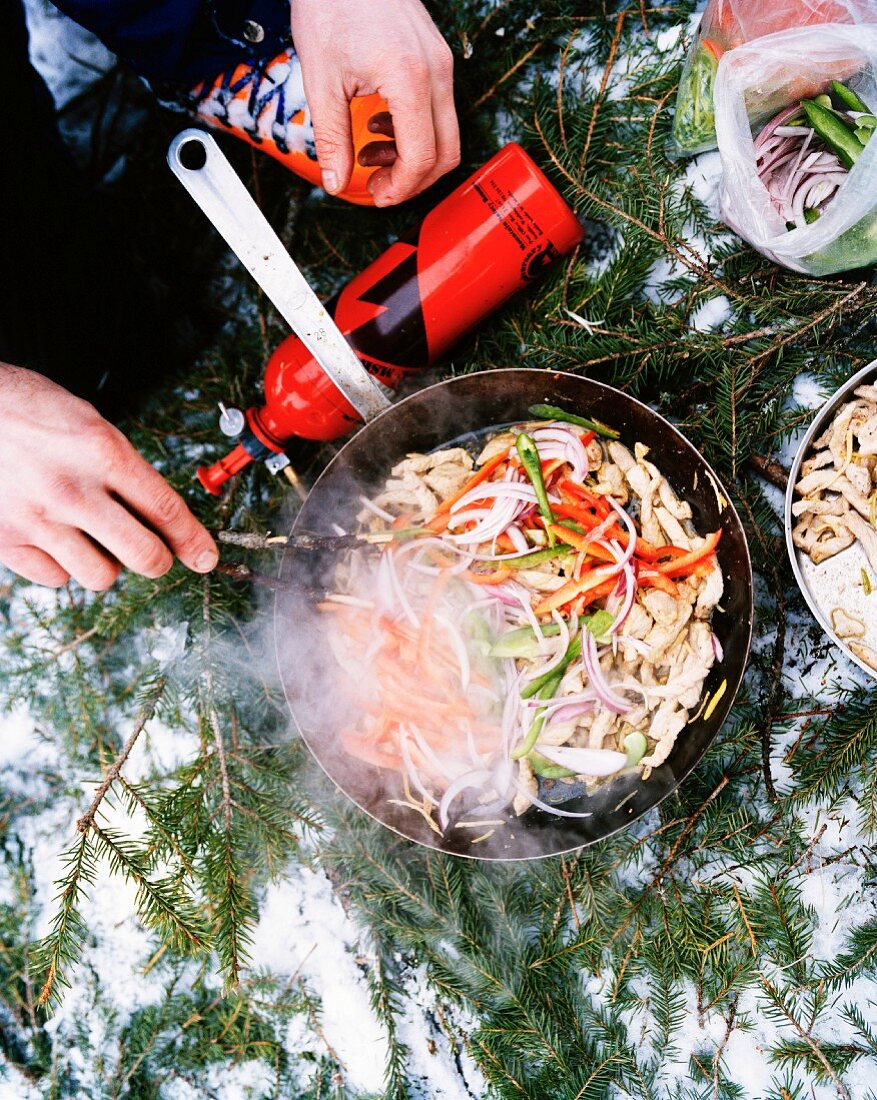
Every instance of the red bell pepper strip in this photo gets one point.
(688, 562)
(581, 602)
(659, 581)
(573, 489)
(644, 550)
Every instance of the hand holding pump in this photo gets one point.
(494, 234)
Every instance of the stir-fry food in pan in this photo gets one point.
(538, 612)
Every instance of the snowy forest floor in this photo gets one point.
(724, 946)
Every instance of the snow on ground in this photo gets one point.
(304, 929)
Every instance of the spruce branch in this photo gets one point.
(112, 773)
(61, 948)
(778, 1002)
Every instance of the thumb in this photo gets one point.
(330, 115)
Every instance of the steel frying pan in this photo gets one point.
(426, 420)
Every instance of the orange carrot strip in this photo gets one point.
(496, 576)
(579, 542)
(580, 603)
(678, 566)
(473, 482)
(569, 591)
(659, 581)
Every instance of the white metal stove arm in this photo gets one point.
(202, 168)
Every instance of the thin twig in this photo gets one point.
(774, 995)
(610, 61)
(497, 84)
(770, 470)
(112, 773)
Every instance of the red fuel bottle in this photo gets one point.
(489, 238)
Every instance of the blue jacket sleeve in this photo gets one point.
(183, 41)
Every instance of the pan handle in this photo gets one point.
(202, 168)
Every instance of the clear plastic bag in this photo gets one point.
(756, 82)
(727, 24)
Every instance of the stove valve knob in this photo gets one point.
(231, 421)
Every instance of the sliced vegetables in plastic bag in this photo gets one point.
(795, 118)
(727, 24)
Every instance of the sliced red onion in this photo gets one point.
(572, 449)
(582, 761)
(372, 507)
(501, 593)
(458, 645)
(493, 524)
(411, 770)
(778, 120)
(598, 681)
(717, 648)
(629, 581)
(519, 539)
(440, 767)
(597, 533)
(474, 778)
(495, 490)
(560, 644)
(631, 531)
(551, 705)
(796, 169)
(521, 596)
(805, 145)
(566, 713)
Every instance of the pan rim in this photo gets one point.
(820, 416)
(732, 689)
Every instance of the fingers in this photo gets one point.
(135, 546)
(447, 128)
(79, 557)
(424, 125)
(34, 565)
(149, 497)
(330, 114)
(410, 103)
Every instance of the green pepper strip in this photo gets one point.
(849, 98)
(535, 686)
(522, 642)
(836, 135)
(537, 557)
(554, 412)
(547, 770)
(532, 463)
(574, 651)
(546, 691)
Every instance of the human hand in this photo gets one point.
(77, 499)
(353, 48)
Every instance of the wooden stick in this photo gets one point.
(253, 541)
(770, 470)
